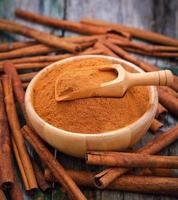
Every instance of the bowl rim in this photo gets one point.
(29, 93)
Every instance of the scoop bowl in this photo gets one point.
(77, 144)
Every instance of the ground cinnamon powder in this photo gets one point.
(90, 115)
(81, 79)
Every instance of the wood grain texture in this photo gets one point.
(159, 15)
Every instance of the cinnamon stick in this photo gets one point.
(42, 183)
(18, 87)
(6, 166)
(122, 159)
(116, 36)
(104, 178)
(86, 45)
(35, 50)
(2, 195)
(20, 94)
(153, 53)
(15, 45)
(16, 192)
(143, 184)
(37, 65)
(20, 165)
(160, 142)
(92, 51)
(83, 39)
(15, 128)
(161, 110)
(169, 91)
(28, 51)
(144, 47)
(145, 66)
(56, 168)
(40, 36)
(168, 101)
(175, 84)
(36, 59)
(106, 51)
(155, 126)
(25, 85)
(27, 77)
(135, 32)
(65, 24)
(7, 46)
(162, 172)
(10, 70)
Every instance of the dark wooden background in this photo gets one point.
(156, 15)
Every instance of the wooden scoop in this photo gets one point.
(118, 86)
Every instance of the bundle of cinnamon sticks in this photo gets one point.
(20, 61)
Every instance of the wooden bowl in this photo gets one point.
(77, 144)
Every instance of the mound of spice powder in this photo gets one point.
(88, 115)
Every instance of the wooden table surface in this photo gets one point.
(156, 15)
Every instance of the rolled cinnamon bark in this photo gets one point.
(28, 51)
(131, 160)
(131, 183)
(38, 65)
(35, 50)
(10, 70)
(104, 178)
(7, 46)
(42, 183)
(27, 77)
(168, 101)
(169, 91)
(142, 47)
(86, 45)
(18, 88)
(116, 36)
(56, 168)
(6, 166)
(37, 59)
(16, 192)
(8, 170)
(65, 24)
(20, 165)
(162, 172)
(151, 53)
(15, 45)
(2, 195)
(155, 126)
(135, 32)
(83, 39)
(43, 61)
(25, 85)
(16, 133)
(40, 36)
(106, 51)
(175, 84)
(161, 110)
(20, 94)
(91, 51)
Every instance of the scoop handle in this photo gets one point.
(163, 77)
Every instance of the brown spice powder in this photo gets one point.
(90, 115)
(81, 79)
